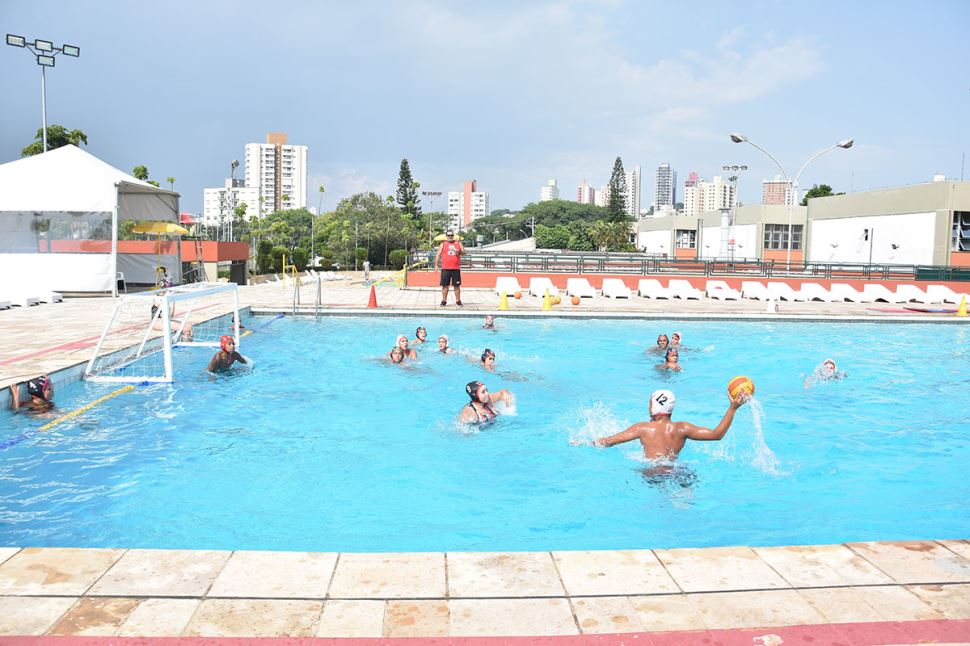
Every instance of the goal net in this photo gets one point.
(137, 343)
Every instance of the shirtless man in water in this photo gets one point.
(224, 358)
(663, 438)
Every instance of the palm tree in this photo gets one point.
(171, 182)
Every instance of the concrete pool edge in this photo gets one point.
(64, 591)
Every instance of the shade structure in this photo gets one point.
(442, 237)
(155, 227)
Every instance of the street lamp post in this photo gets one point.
(431, 195)
(45, 52)
(737, 169)
(793, 184)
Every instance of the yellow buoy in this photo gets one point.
(962, 310)
(503, 303)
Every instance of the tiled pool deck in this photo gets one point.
(858, 593)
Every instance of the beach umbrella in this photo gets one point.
(442, 237)
(158, 228)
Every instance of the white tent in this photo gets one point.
(59, 215)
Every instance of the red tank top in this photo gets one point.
(449, 255)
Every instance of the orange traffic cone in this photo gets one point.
(372, 303)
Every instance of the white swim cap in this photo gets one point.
(399, 337)
(443, 336)
(662, 402)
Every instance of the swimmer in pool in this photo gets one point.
(224, 358)
(173, 322)
(481, 408)
(396, 355)
(40, 391)
(662, 343)
(675, 340)
(420, 336)
(825, 371)
(488, 360)
(402, 342)
(663, 438)
(489, 322)
(443, 347)
(671, 361)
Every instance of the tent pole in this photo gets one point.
(114, 242)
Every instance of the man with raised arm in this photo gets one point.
(449, 261)
(661, 437)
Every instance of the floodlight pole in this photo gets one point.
(44, 53)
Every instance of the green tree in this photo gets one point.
(407, 191)
(171, 183)
(818, 190)
(616, 204)
(610, 236)
(140, 172)
(152, 182)
(555, 237)
(57, 136)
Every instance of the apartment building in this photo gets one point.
(549, 192)
(467, 205)
(279, 171)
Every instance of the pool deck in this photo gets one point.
(857, 593)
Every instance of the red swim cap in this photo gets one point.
(226, 338)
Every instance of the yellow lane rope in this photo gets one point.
(78, 411)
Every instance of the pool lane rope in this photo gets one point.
(74, 413)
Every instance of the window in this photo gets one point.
(776, 236)
(686, 239)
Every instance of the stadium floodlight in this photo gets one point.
(44, 53)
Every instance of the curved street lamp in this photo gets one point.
(793, 184)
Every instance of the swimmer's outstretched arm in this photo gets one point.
(719, 431)
(502, 395)
(631, 433)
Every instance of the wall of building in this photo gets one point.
(654, 241)
(844, 239)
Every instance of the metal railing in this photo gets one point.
(639, 264)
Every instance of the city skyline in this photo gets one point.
(779, 74)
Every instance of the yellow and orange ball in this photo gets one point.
(575, 300)
(517, 294)
(740, 385)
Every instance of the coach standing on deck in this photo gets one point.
(449, 261)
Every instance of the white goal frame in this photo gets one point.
(165, 300)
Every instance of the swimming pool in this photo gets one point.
(325, 447)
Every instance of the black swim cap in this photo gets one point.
(35, 387)
(472, 389)
(486, 354)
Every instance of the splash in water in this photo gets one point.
(595, 421)
(738, 446)
(764, 459)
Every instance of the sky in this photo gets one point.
(510, 94)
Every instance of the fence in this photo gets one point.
(639, 264)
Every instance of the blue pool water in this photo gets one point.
(325, 447)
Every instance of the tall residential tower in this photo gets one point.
(279, 170)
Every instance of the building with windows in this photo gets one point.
(467, 205)
(549, 192)
(692, 198)
(585, 194)
(603, 196)
(219, 204)
(775, 191)
(279, 171)
(666, 187)
(633, 192)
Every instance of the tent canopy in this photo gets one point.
(68, 179)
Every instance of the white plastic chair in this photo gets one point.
(20, 299)
(815, 292)
(842, 292)
(911, 293)
(943, 294)
(880, 293)
(784, 292)
(684, 290)
(651, 288)
(615, 288)
(719, 289)
(755, 290)
(4, 305)
(580, 287)
(507, 284)
(538, 287)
